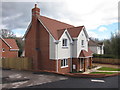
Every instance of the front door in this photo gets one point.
(81, 64)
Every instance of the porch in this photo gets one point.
(81, 64)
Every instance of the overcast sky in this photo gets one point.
(100, 17)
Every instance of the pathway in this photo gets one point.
(101, 65)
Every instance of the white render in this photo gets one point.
(73, 49)
(81, 37)
(64, 52)
(51, 47)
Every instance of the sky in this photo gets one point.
(100, 17)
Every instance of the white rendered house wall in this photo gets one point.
(52, 48)
(74, 48)
(80, 47)
(63, 52)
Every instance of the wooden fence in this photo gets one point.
(16, 63)
(106, 60)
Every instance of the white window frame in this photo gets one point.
(64, 63)
(64, 42)
(82, 43)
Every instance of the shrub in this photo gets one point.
(103, 56)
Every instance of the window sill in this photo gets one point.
(64, 66)
(82, 46)
(64, 47)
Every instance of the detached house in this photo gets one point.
(56, 46)
(9, 48)
(96, 47)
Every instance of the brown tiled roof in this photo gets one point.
(75, 31)
(84, 53)
(60, 32)
(12, 43)
(56, 28)
(53, 25)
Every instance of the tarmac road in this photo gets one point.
(107, 82)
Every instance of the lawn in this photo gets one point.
(103, 72)
(109, 69)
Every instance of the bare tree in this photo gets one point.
(5, 33)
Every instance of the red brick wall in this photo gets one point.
(76, 62)
(30, 43)
(43, 41)
(8, 53)
(63, 70)
(38, 37)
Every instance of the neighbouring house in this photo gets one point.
(96, 47)
(56, 46)
(9, 48)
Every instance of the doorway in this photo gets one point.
(81, 64)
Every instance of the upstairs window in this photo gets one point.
(82, 42)
(64, 43)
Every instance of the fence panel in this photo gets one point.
(16, 63)
(106, 60)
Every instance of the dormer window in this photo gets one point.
(64, 42)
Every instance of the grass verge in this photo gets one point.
(103, 72)
(109, 69)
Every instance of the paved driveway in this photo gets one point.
(20, 79)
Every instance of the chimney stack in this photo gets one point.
(35, 11)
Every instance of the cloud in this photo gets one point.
(3, 26)
(77, 12)
(18, 34)
(12, 17)
(90, 13)
(101, 29)
(92, 34)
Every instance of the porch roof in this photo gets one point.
(84, 53)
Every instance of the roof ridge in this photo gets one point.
(56, 20)
(75, 27)
(71, 27)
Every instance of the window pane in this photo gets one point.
(61, 62)
(82, 42)
(64, 42)
(66, 62)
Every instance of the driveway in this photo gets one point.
(18, 79)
